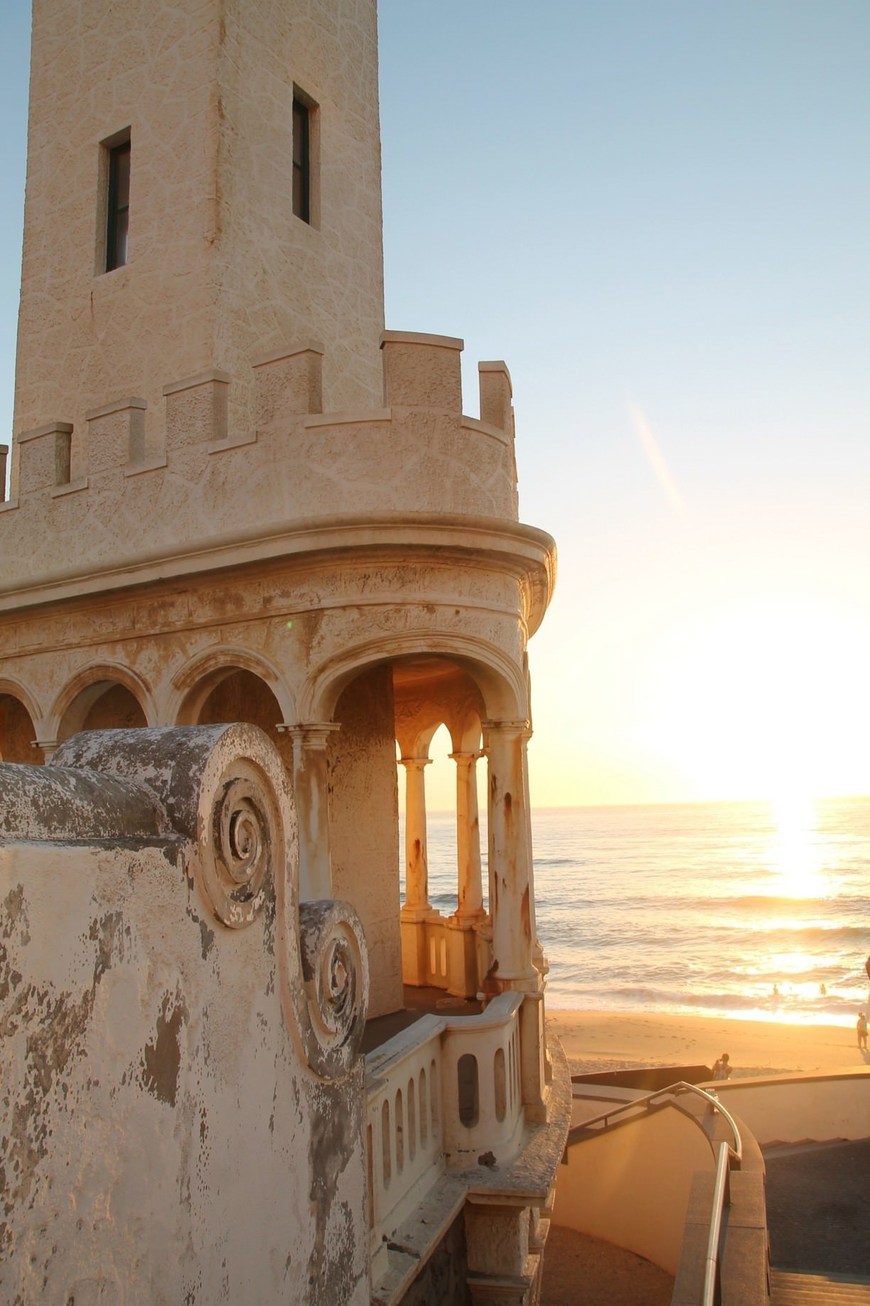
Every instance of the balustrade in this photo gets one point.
(440, 1095)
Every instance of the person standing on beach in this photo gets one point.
(862, 1030)
(722, 1067)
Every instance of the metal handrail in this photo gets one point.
(650, 1101)
(726, 1154)
(711, 1291)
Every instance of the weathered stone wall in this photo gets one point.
(206, 496)
(220, 271)
(174, 1127)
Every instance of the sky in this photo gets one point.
(657, 212)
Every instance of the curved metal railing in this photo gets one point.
(728, 1157)
(652, 1102)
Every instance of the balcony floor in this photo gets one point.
(418, 1002)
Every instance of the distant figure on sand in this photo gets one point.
(862, 1031)
(722, 1068)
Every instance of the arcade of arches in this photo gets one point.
(346, 780)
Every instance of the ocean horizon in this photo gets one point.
(741, 909)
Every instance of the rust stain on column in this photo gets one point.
(525, 914)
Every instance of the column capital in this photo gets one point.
(415, 762)
(474, 756)
(48, 746)
(310, 734)
(522, 727)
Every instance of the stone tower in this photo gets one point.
(242, 510)
(203, 192)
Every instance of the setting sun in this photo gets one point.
(763, 706)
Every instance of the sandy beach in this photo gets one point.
(598, 1040)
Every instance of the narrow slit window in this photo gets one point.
(118, 205)
(301, 160)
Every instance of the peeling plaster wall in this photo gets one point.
(364, 826)
(160, 1140)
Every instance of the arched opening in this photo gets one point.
(424, 930)
(239, 695)
(17, 732)
(443, 815)
(102, 705)
(232, 693)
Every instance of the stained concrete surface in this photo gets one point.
(818, 1195)
(584, 1271)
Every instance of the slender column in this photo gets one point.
(416, 860)
(310, 784)
(510, 855)
(470, 887)
(48, 747)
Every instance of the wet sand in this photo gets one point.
(598, 1040)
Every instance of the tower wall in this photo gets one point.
(220, 270)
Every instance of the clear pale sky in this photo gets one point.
(658, 213)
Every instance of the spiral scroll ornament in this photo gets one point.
(245, 831)
(336, 979)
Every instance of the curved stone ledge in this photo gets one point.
(222, 793)
(60, 805)
(222, 787)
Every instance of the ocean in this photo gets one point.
(724, 909)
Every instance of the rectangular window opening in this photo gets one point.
(117, 202)
(306, 157)
(301, 159)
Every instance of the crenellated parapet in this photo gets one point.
(137, 483)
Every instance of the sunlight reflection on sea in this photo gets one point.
(716, 909)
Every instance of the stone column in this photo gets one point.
(511, 902)
(417, 909)
(463, 971)
(416, 860)
(470, 888)
(310, 783)
(48, 747)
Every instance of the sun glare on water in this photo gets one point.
(794, 847)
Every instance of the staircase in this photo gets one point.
(790, 1289)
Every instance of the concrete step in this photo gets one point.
(790, 1289)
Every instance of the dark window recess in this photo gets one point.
(301, 161)
(118, 207)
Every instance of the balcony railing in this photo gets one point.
(442, 1095)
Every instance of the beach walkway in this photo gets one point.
(817, 1199)
(817, 1205)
